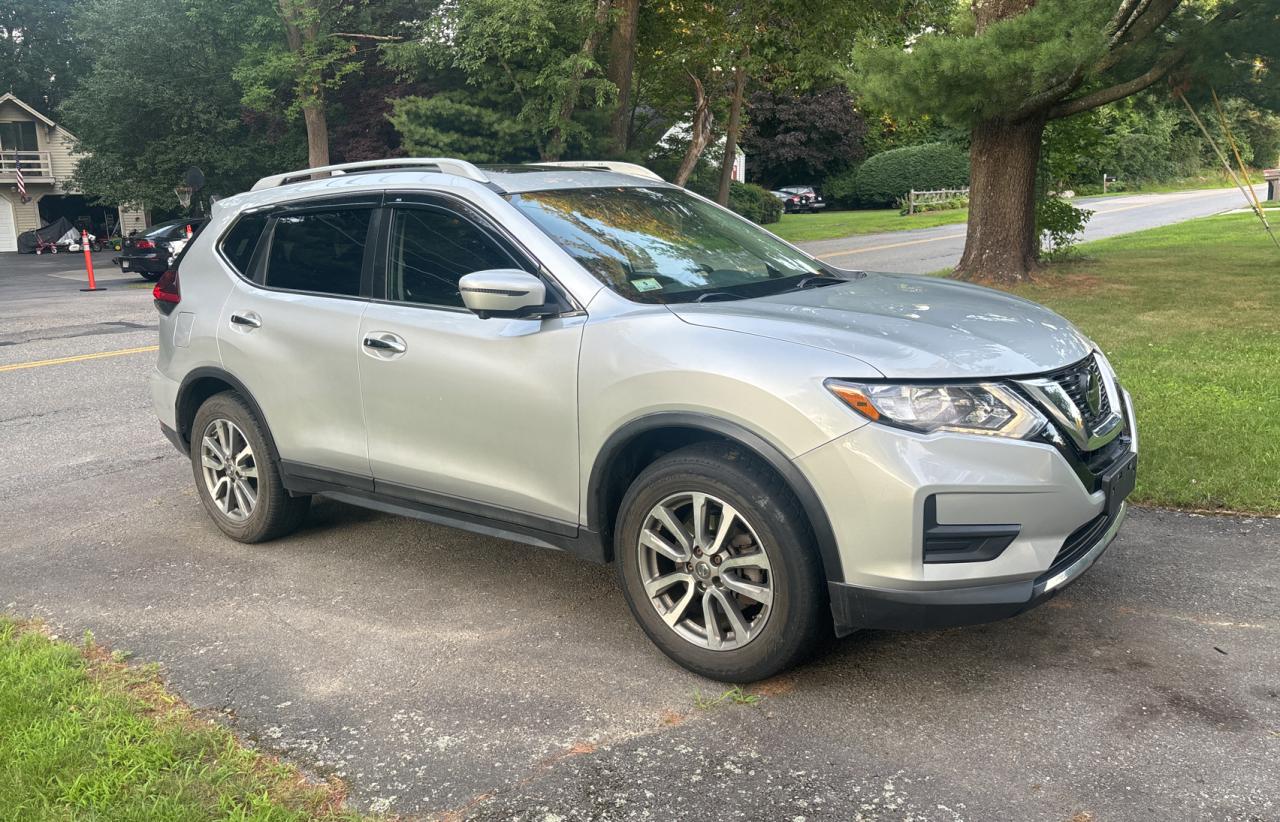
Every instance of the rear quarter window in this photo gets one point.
(239, 243)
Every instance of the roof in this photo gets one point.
(8, 97)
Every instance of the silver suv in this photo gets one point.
(588, 359)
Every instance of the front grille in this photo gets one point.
(1078, 544)
(1075, 379)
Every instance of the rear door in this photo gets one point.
(290, 329)
(475, 415)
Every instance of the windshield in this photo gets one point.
(663, 245)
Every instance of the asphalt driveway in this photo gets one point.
(449, 675)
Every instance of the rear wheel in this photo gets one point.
(718, 565)
(149, 277)
(237, 477)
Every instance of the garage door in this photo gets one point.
(8, 231)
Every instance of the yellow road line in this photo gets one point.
(888, 246)
(79, 358)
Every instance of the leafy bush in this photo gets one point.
(755, 203)
(839, 190)
(889, 175)
(748, 199)
(1059, 225)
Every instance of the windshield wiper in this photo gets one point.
(816, 281)
(716, 296)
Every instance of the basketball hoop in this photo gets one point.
(184, 193)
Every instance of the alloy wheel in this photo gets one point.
(230, 469)
(705, 571)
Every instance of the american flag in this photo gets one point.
(22, 183)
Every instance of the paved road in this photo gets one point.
(932, 249)
(454, 676)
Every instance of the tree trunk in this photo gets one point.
(317, 135)
(301, 30)
(731, 135)
(622, 66)
(555, 141)
(699, 132)
(1001, 244)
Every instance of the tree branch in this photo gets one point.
(1134, 17)
(1141, 29)
(1121, 90)
(1129, 11)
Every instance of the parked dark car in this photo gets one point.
(800, 199)
(150, 251)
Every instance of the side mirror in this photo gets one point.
(502, 292)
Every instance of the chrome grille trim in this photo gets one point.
(1064, 395)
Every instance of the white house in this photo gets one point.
(679, 135)
(44, 150)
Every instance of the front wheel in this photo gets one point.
(236, 476)
(718, 565)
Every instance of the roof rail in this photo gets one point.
(616, 166)
(444, 165)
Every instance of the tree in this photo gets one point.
(622, 67)
(803, 138)
(40, 60)
(144, 115)
(536, 57)
(1005, 68)
(313, 59)
(789, 45)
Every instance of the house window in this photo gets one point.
(18, 137)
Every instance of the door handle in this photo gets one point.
(386, 342)
(248, 319)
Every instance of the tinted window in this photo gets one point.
(663, 245)
(431, 250)
(321, 251)
(240, 241)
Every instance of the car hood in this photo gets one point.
(908, 327)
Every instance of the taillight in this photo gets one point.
(167, 290)
(143, 244)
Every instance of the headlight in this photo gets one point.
(981, 408)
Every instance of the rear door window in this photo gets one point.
(319, 251)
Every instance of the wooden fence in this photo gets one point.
(939, 195)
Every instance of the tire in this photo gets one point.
(149, 276)
(767, 519)
(227, 420)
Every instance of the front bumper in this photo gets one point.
(855, 608)
(886, 491)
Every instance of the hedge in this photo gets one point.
(748, 199)
(755, 203)
(887, 176)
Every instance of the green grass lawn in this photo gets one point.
(826, 225)
(85, 737)
(1189, 315)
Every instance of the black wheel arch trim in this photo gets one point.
(211, 372)
(814, 510)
